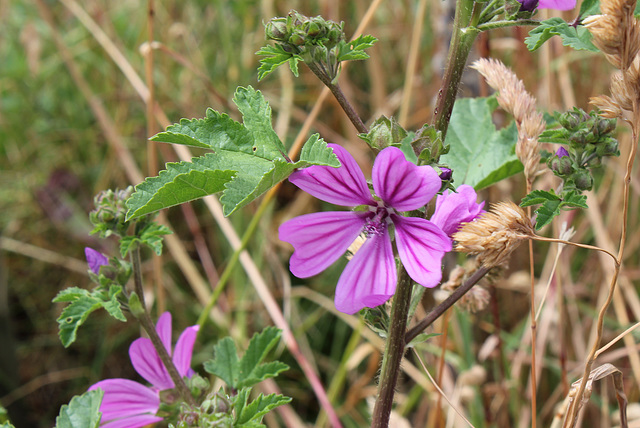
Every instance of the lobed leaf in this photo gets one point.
(479, 155)
(82, 304)
(225, 362)
(251, 414)
(577, 37)
(354, 50)
(248, 160)
(83, 411)
(273, 57)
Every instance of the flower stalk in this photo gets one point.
(394, 351)
(149, 328)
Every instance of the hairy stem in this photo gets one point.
(394, 351)
(340, 97)
(459, 49)
(446, 304)
(149, 327)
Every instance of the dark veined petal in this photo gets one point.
(163, 327)
(344, 185)
(137, 421)
(320, 239)
(557, 4)
(453, 209)
(184, 350)
(370, 277)
(421, 246)
(125, 399)
(402, 184)
(147, 362)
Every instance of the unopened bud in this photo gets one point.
(582, 179)
(276, 29)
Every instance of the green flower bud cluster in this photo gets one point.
(109, 215)
(313, 39)
(589, 139)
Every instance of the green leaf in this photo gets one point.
(577, 37)
(251, 415)
(539, 197)
(273, 57)
(551, 204)
(225, 362)
(152, 236)
(589, 7)
(354, 50)
(262, 372)
(246, 371)
(83, 411)
(249, 159)
(479, 154)
(82, 304)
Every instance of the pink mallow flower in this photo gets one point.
(129, 404)
(531, 5)
(320, 239)
(95, 259)
(453, 209)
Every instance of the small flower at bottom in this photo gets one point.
(129, 404)
(320, 239)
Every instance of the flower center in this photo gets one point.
(377, 224)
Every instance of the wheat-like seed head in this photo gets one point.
(513, 98)
(495, 235)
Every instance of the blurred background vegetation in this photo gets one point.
(74, 121)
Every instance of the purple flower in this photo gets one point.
(95, 259)
(445, 173)
(320, 239)
(531, 5)
(453, 209)
(129, 404)
(562, 152)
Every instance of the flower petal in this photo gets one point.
(421, 246)
(95, 259)
(344, 185)
(137, 421)
(147, 362)
(370, 277)
(452, 209)
(163, 327)
(320, 239)
(402, 184)
(124, 398)
(557, 4)
(184, 350)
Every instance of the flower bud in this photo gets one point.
(383, 133)
(608, 147)
(445, 173)
(569, 120)
(606, 126)
(297, 38)
(582, 179)
(276, 29)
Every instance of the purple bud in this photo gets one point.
(528, 5)
(95, 259)
(562, 152)
(445, 174)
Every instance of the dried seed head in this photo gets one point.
(495, 234)
(608, 107)
(521, 104)
(616, 32)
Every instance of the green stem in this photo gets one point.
(150, 328)
(504, 24)
(461, 43)
(394, 351)
(342, 100)
(228, 270)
